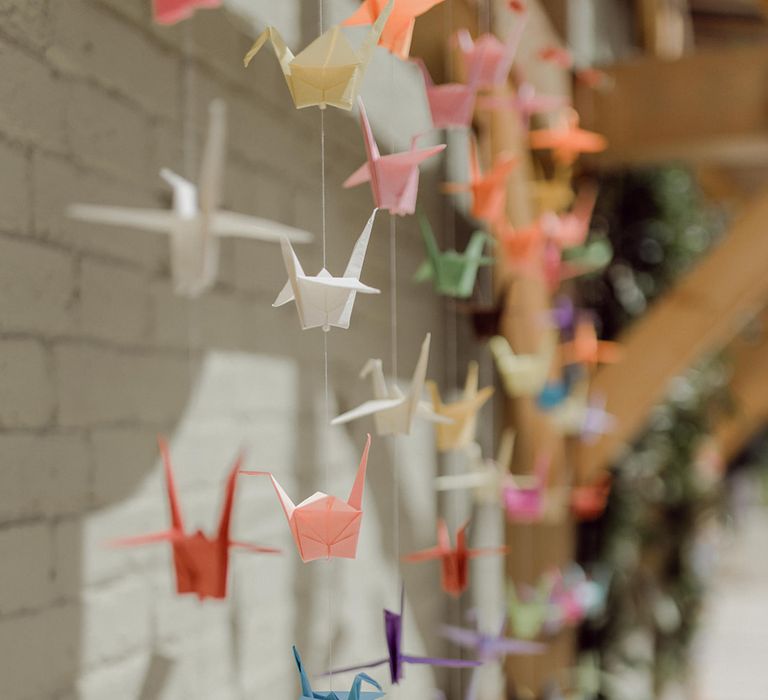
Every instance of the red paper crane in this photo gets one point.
(588, 501)
(567, 140)
(172, 11)
(398, 31)
(489, 190)
(454, 561)
(201, 562)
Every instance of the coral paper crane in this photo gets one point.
(489, 190)
(324, 526)
(398, 32)
(451, 105)
(392, 410)
(329, 71)
(201, 562)
(488, 55)
(454, 561)
(567, 141)
(460, 432)
(396, 659)
(587, 349)
(454, 274)
(196, 221)
(394, 177)
(354, 693)
(172, 11)
(323, 300)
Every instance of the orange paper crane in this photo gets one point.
(523, 248)
(587, 349)
(324, 526)
(567, 140)
(201, 562)
(398, 31)
(489, 190)
(460, 431)
(454, 561)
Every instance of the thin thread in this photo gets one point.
(322, 170)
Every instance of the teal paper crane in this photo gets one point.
(453, 273)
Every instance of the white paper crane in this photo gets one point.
(323, 300)
(196, 222)
(392, 410)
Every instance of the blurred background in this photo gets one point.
(98, 355)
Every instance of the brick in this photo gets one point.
(14, 184)
(42, 475)
(27, 583)
(36, 288)
(92, 41)
(114, 302)
(25, 385)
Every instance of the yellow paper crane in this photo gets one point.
(460, 432)
(329, 70)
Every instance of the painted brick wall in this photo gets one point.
(97, 357)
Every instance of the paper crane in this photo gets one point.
(489, 190)
(451, 104)
(564, 264)
(354, 693)
(397, 34)
(523, 248)
(323, 300)
(567, 140)
(583, 415)
(557, 55)
(528, 613)
(454, 561)
(493, 56)
(172, 11)
(588, 501)
(201, 562)
(196, 222)
(460, 432)
(524, 496)
(329, 71)
(489, 648)
(396, 659)
(392, 410)
(394, 177)
(523, 375)
(526, 102)
(586, 349)
(572, 228)
(486, 477)
(324, 526)
(454, 274)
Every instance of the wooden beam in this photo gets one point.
(710, 106)
(700, 314)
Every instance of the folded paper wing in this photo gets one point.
(491, 58)
(201, 562)
(567, 141)
(173, 11)
(394, 177)
(324, 526)
(329, 71)
(355, 692)
(451, 105)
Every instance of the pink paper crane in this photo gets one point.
(567, 140)
(557, 55)
(451, 104)
(394, 178)
(572, 228)
(201, 562)
(526, 102)
(454, 561)
(489, 190)
(488, 55)
(524, 495)
(324, 526)
(173, 11)
(398, 32)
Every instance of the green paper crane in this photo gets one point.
(453, 273)
(527, 618)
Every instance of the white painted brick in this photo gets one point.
(42, 475)
(26, 583)
(25, 385)
(114, 302)
(36, 287)
(14, 186)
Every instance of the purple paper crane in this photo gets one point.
(393, 630)
(488, 647)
